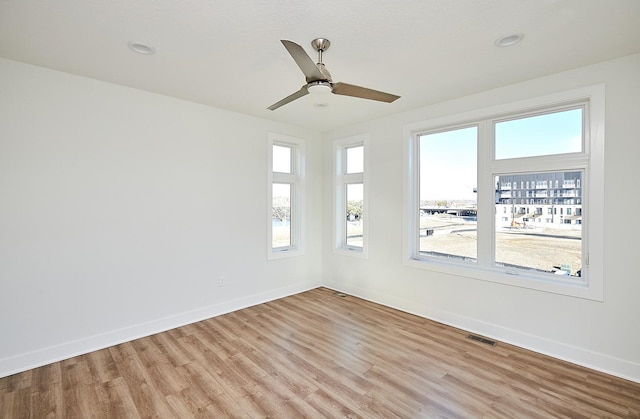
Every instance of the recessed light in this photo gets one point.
(320, 105)
(508, 40)
(141, 47)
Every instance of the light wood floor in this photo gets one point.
(315, 354)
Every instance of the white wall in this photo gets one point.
(120, 209)
(601, 335)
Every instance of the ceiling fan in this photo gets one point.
(319, 79)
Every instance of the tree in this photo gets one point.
(281, 208)
(354, 210)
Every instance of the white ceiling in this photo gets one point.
(227, 54)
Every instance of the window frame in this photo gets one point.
(340, 181)
(297, 179)
(590, 160)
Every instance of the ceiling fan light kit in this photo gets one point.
(318, 79)
(319, 88)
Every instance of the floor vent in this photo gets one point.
(482, 340)
(340, 294)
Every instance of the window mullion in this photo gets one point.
(485, 195)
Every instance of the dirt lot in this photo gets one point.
(531, 247)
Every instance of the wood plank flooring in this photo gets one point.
(315, 354)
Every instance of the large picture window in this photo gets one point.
(511, 196)
(285, 197)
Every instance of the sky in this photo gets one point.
(448, 160)
(554, 133)
(448, 168)
(281, 159)
(448, 165)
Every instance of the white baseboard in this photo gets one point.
(593, 360)
(40, 357)
(579, 356)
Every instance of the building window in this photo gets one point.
(285, 196)
(351, 196)
(490, 150)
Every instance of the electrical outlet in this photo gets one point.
(221, 282)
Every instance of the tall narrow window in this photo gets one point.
(549, 237)
(351, 206)
(285, 178)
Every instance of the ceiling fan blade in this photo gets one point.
(346, 89)
(302, 92)
(305, 63)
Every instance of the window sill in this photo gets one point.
(570, 288)
(356, 252)
(284, 253)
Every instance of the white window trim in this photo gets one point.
(592, 287)
(340, 180)
(297, 178)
